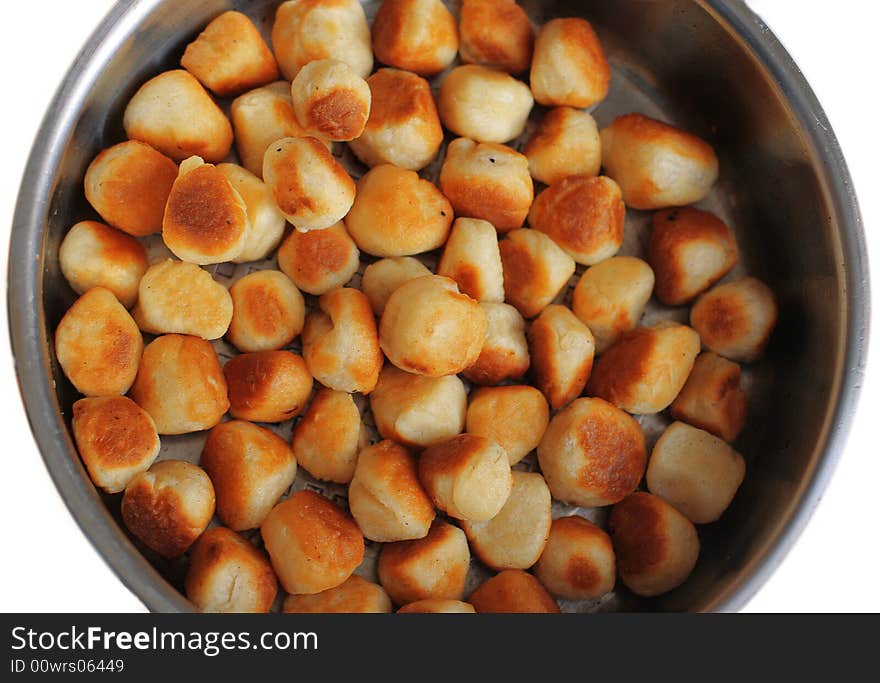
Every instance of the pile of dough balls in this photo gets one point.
(423, 387)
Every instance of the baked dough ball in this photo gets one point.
(313, 544)
(310, 187)
(467, 477)
(430, 328)
(488, 181)
(169, 506)
(250, 468)
(497, 34)
(267, 386)
(128, 184)
(735, 319)
(513, 591)
(404, 127)
(712, 398)
(515, 537)
(584, 215)
(95, 255)
(328, 438)
(319, 260)
(416, 35)
(695, 472)
(116, 440)
(646, 368)
(175, 296)
(611, 296)
(578, 561)
(98, 345)
(483, 104)
(535, 270)
(227, 574)
(656, 546)
(562, 349)
(341, 344)
(330, 100)
(418, 411)
(569, 67)
(592, 454)
(230, 56)
(307, 30)
(565, 143)
(515, 417)
(472, 259)
(265, 222)
(173, 113)
(396, 213)
(267, 311)
(382, 278)
(657, 165)
(354, 596)
(180, 384)
(433, 567)
(437, 607)
(385, 496)
(505, 353)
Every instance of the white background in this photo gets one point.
(50, 566)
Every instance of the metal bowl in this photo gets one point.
(711, 66)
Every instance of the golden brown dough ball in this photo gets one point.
(404, 127)
(267, 311)
(180, 297)
(416, 35)
(655, 545)
(483, 104)
(416, 410)
(434, 567)
(437, 607)
(169, 506)
(694, 471)
(736, 319)
(173, 113)
(396, 213)
(128, 184)
(306, 30)
(505, 353)
(592, 454)
(611, 296)
(250, 468)
(385, 496)
(230, 56)
(472, 259)
(116, 440)
(561, 348)
(310, 187)
(98, 344)
(382, 278)
(569, 67)
(180, 384)
(584, 215)
(341, 343)
(265, 222)
(514, 416)
(645, 369)
(354, 596)
(330, 100)
(497, 34)
(95, 255)
(313, 544)
(565, 143)
(535, 270)
(267, 386)
(328, 438)
(227, 574)
(430, 328)
(712, 398)
(513, 591)
(319, 260)
(655, 164)
(515, 537)
(487, 181)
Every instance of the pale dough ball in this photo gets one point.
(319, 260)
(416, 35)
(267, 386)
(354, 596)
(514, 416)
(535, 270)
(578, 560)
(565, 143)
(505, 352)
(330, 100)
(713, 398)
(382, 278)
(265, 222)
(472, 259)
(513, 591)
(497, 34)
(268, 311)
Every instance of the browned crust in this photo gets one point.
(637, 530)
(400, 96)
(339, 115)
(292, 193)
(513, 591)
(523, 277)
(277, 382)
(496, 33)
(545, 355)
(392, 43)
(395, 467)
(712, 399)
(310, 256)
(495, 365)
(113, 432)
(449, 458)
(260, 302)
(620, 369)
(502, 205)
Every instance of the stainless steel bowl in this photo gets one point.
(709, 65)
